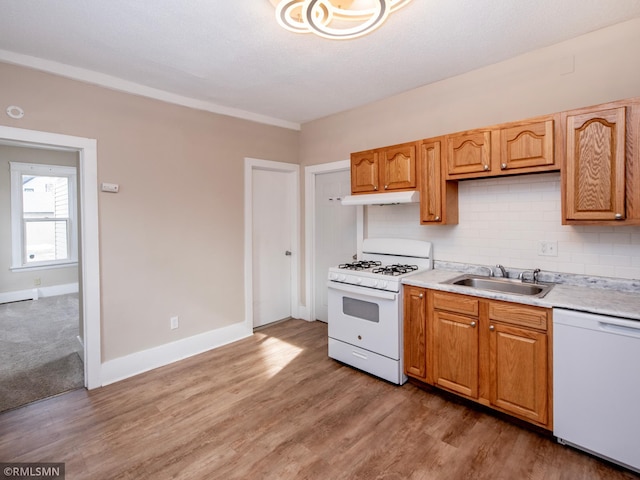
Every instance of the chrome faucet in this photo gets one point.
(502, 271)
(534, 275)
(489, 269)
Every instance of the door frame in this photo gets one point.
(310, 173)
(293, 171)
(89, 258)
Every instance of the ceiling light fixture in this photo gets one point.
(334, 19)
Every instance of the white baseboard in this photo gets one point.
(303, 313)
(140, 362)
(55, 290)
(35, 293)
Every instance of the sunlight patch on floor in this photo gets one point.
(276, 354)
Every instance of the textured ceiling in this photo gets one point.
(232, 54)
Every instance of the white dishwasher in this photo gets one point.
(596, 385)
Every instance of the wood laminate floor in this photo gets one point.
(274, 406)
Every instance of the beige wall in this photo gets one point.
(501, 220)
(24, 280)
(171, 242)
(595, 68)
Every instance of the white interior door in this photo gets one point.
(272, 207)
(335, 232)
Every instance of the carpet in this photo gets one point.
(39, 350)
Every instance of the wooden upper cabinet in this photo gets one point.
(595, 165)
(469, 153)
(364, 172)
(398, 167)
(438, 198)
(527, 145)
(510, 148)
(384, 169)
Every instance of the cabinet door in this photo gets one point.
(595, 166)
(438, 198)
(364, 172)
(455, 353)
(469, 153)
(431, 183)
(518, 371)
(524, 146)
(415, 335)
(398, 167)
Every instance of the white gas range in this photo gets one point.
(365, 305)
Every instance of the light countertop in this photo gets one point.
(602, 301)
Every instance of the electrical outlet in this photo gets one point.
(548, 249)
(174, 322)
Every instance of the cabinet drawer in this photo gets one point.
(522, 315)
(456, 303)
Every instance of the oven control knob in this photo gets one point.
(358, 281)
(383, 284)
(342, 278)
(333, 276)
(375, 283)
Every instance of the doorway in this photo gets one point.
(333, 232)
(89, 272)
(271, 241)
(41, 348)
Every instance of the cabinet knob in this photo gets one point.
(421, 295)
(618, 216)
(473, 324)
(492, 328)
(486, 167)
(376, 187)
(504, 166)
(437, 219)
(386, 187)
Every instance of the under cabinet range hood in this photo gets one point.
(389, 198)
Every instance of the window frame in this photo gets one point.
(18, 222)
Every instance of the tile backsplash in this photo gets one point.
(504, 220)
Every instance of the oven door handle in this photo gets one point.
(372, 292)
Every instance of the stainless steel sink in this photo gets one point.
(504, 285)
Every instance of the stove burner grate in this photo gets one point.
(395, 269)
(360, 265)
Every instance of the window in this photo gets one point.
(43, 215)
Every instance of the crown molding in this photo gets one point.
(115, 83)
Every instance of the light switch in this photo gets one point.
(110, 187)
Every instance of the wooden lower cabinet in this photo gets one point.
(493, 352)
(415, 332)
(455, 353)
(518, 371)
